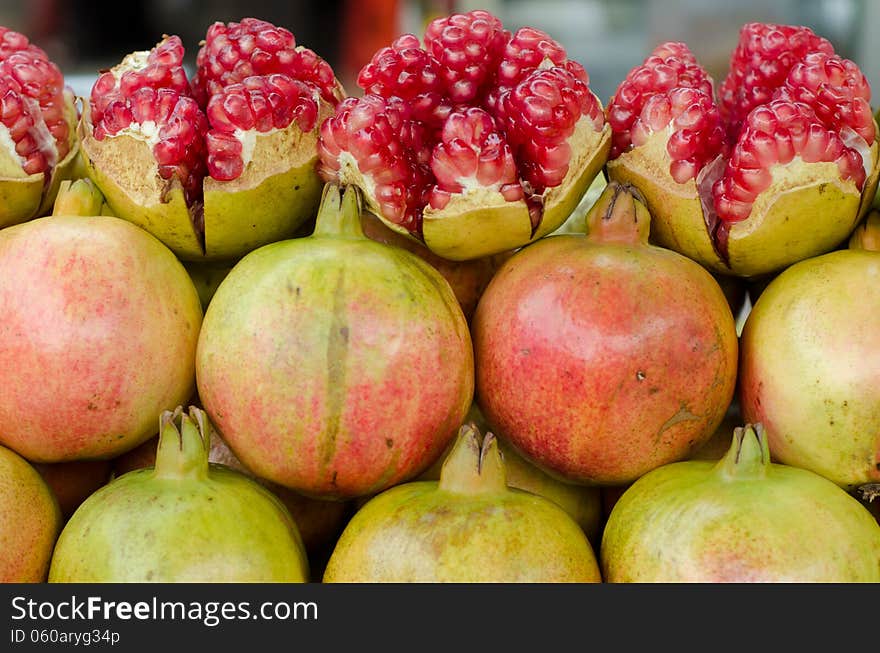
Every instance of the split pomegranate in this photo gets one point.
(466, 527)
(223, 163)
(38, 144)
(743, 519)
(778, 167)
(360, 371)
(475, 142)
(601, 357)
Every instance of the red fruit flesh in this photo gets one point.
(32, 103)
(787, 96)
(474, 108)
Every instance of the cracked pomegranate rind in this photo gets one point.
(221, 165)
(477, 143)
(795, 170)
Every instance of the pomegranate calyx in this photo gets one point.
(78, 197)
(474, 465)
(749, 454)
(184, 444)
(619, 215)
(339, 215)
(867, 235)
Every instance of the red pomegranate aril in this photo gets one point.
(528, 49)
(670, 66)
(472, 148)
(835, 88)
(541, 113)
(761, 62)
(766, 141)
(468, 48)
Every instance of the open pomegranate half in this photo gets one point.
(776, 166)
(38, 146)
(473, 141)
(223, 163)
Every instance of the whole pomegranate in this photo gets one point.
(184, 520)
(30, 521)
(810, 364)
(473, 141)
(600, 357)
(335, 365)
(468, 527)
(318, 522)
(223, 163)
(778, 166)
(98, 330)
(38, 143)
(743, 519)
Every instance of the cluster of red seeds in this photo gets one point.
(474, 106)
(787, 94)
(250, 77)
(32, 103)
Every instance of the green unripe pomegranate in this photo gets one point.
(468, 527)
(184, 520)
(742, 519)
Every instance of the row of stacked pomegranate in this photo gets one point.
(468, 324)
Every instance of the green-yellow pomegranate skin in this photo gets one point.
(743, 519)
(30, 521)
(469, 527)
(810, 366)
(185, 522)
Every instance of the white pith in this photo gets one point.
(39, 132)
(147, 131)
(8, 144)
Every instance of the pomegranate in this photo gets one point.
(742, 519)
(360, 372)
(220, 164)
(319, 522)
(778, 166)
(467, 278)
(600, 357)
(73, 482)
(468, 527)
(38, 143)
(867, 234)
(473, 141)
(810, 364)
(30, 521)
(98, 330)
(184, 520)
(582, 503)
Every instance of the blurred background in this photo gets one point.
(608, 36)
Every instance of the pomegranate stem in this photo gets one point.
(749, 454)
(80, 197)
(619, 215)
(867, 234)
(184, 441)
(472, 467)
(339, 215)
